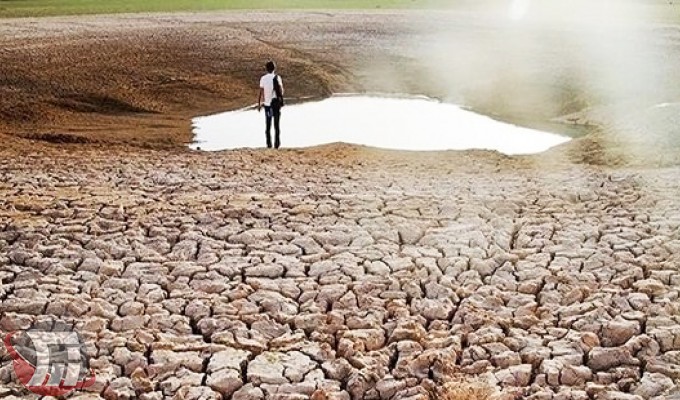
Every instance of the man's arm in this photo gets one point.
(259, 99)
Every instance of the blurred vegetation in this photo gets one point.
(39, 8)
(667, 11)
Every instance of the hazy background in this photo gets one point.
(602, 62)
(606, 63)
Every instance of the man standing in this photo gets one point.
(271, 90)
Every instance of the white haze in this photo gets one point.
(538, 60)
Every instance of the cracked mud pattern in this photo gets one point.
(345, 273)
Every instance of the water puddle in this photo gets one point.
(399, 123)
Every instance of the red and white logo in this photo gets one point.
(49, 362)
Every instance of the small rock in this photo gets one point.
(618, 331)
(267, 368)
(653, 384)
(225, 381)
(605, 358)
(516, 376)
(248, 392)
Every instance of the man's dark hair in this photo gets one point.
(270, 66)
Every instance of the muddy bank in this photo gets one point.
(138, 79)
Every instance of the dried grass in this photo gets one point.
(463, 390)
(455, 385)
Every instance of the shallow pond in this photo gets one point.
(399, 123)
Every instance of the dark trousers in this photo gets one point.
(273, 112)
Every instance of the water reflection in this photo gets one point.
(400, 123)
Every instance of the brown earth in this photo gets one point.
(139, 79)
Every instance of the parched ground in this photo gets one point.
(346, 273)
(339, 272)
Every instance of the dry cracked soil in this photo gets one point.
(334, 273)
(262, 275)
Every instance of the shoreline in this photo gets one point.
(163, 70)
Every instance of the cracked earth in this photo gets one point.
(345, 273)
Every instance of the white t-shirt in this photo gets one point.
(267, 83)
